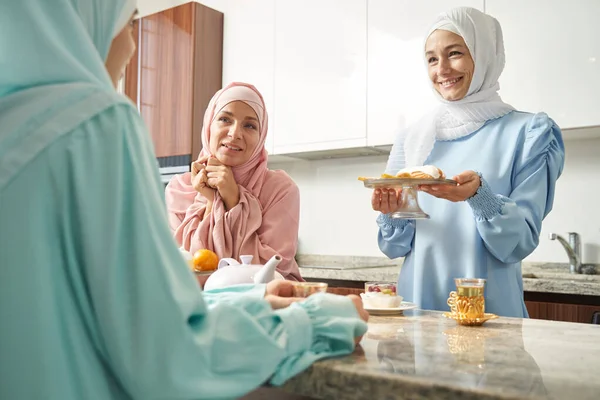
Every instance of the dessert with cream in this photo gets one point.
(380, 295)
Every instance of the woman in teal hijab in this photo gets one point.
(96, 300)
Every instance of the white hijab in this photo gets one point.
(455, 119)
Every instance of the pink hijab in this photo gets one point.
(251, 174)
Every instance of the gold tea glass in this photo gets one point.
(467, 302)
(305, 289)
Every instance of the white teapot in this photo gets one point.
(231, 272)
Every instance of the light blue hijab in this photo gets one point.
(52, 71)
(47, 42)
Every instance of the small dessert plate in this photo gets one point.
(471, 321)
(405, 305)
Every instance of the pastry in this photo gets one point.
(422, 172)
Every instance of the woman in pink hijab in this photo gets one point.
(230, 202)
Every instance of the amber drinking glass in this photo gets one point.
(468, 302)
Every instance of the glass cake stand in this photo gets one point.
(410, 208)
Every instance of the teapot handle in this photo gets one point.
(225, 262)
(247, 259)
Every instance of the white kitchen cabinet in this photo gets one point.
(552, 58)
(398, 89)
(320, 75)
(249, 50)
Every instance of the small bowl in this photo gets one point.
(381, 295)
(305, 289)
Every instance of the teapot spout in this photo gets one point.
(267, 273)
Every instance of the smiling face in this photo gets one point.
(450, 64)
(234, 134)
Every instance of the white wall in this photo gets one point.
(336, 217)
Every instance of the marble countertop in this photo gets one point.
(423, 355)
(537, 277)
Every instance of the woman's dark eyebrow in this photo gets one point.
(446, 48)
(231, 115)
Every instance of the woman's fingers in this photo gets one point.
(376, 200)
(203, 159)
(398, 198)
(213, 161)
(385, 200)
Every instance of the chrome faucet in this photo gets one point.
(573, 249)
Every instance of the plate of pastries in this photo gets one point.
(413, 176)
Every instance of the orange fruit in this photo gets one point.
(205, 260)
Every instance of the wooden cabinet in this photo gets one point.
(551, 70)
(561, 311)
(176, 70)
(561, 307)
(342, 287)
(345, 290)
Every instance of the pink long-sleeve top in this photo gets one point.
(262, 225)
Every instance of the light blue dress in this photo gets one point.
(519, 156)
(96, 301)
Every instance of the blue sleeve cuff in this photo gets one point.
(384, 220)
(485, 204)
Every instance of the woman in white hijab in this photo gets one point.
(507, 163)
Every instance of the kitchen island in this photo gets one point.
(423, 355)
